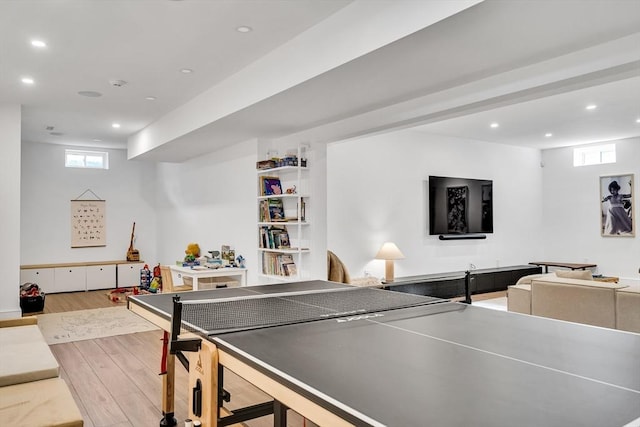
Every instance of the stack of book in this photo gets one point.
(274, 237)
(278, 264)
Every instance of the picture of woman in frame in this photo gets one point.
(617, 211)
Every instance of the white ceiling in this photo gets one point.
(532, 66)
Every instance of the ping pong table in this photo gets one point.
(426, 362)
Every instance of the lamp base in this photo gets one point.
(388, 270)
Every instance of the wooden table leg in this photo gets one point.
(203, 385)
(168, 386)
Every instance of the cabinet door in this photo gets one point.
(101, 277)
(42, 277)
(129, 274)
(70, 279)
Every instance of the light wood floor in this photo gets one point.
(115, 380)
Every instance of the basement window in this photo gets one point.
(86, 159)
(594, 155)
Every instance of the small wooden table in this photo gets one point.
(572, 266)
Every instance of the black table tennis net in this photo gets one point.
(214, 317)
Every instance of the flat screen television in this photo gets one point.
(460, 206)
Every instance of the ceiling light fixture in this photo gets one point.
(97, 140)
(38, 43)
(591, 107)
(150, 98)
(90, 93)
(186, 71)
(115, 125)
(494, 125)
(548, 135)
(244, 29)
(28, 80)
(638, 120)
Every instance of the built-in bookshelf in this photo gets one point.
(283, 236)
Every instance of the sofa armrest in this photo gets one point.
(628, 309)
(519, 299)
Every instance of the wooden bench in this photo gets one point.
(31, 392)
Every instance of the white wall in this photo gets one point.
(48, 187)
(571, 214)
(209, 200)
(376, 192)
(10, 119)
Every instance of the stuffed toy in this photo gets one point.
(193, 252)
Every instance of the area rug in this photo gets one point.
(81, 325)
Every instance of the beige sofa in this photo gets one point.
(609, 305)
(31, 392)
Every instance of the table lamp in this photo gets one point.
(389, 252)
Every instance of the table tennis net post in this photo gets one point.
(178, 344)
(224, 315)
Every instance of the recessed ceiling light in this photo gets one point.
(638, 120)
(548, 134)
(186, 71)
(97, 140)
(591, 107)
(38, 43)
(28, 80)
(150, 98)
(90, 93)
(244, 29)
(494, 125)
(115, 125)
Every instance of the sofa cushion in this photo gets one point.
(526, 280)
(574, 274)
(41, 403)
(25, 356)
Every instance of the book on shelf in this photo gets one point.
(272, 210)
(278, 264)
(274, 237)
(302, 209)
(290, 269)
(276, 210)
(270, 185)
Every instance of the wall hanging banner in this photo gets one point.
(88, 223)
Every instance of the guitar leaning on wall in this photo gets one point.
(133, 254)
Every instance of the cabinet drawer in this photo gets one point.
(43, 277)
(129, 274)
(101, 277)
(70, 279)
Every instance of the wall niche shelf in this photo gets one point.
(283, 229)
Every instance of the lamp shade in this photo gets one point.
(389, 251)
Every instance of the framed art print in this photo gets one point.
(616, 200)
(457, 209)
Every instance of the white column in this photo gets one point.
(10, 144)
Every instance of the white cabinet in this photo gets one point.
(80, 276)
(42, 277)
(101, 277)
(129, 274)
(70, 279)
